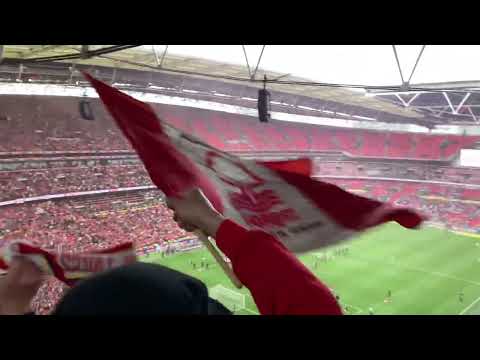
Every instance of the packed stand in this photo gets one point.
(55, 125)
(457, 207)
(40, 124)
(30, 183)
(461, 175)
(233, 132)
(38, 182)
(88, 224)
(81, 225)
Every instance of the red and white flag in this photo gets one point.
(68, 267)
(279, 197)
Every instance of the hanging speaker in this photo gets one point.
(263, 105)
(85, 109)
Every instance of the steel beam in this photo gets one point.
(84, 51)
(20, 72)
(246, 60)
(462, 102)
(401, 99)
(443, 106)
(416, 63)
(449, 102)
(450, 85)
(388, 93)
(114, 76)
(473, 115)
(398, 63)
(157, 58)
(72, 71)
(163, 56)
(258, 63)
(412, 99)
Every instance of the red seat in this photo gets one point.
(373, 144)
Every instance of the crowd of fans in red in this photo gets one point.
(55, 125)
(38, 182)
(83, 225)
(42, 124)
(30, 183)
(454, 206)
(361, 169)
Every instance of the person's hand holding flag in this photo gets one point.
(19, 286)
(194, 211)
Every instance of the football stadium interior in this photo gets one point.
(404, 128)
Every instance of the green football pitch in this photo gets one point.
(425, 270)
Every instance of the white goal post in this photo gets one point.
(231, 299)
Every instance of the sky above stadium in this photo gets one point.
(373, 65)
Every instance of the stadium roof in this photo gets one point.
(398, 68)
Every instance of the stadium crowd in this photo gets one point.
(29, 183)
(457, 207)
(96, 224)
(37, 182)
(55, 125)
(76, 225)
(362, 169)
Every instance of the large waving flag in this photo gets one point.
(279, 197)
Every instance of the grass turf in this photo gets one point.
(425, 271)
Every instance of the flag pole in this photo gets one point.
(219, 258)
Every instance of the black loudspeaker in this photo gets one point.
(85, 109)
(263, 105)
